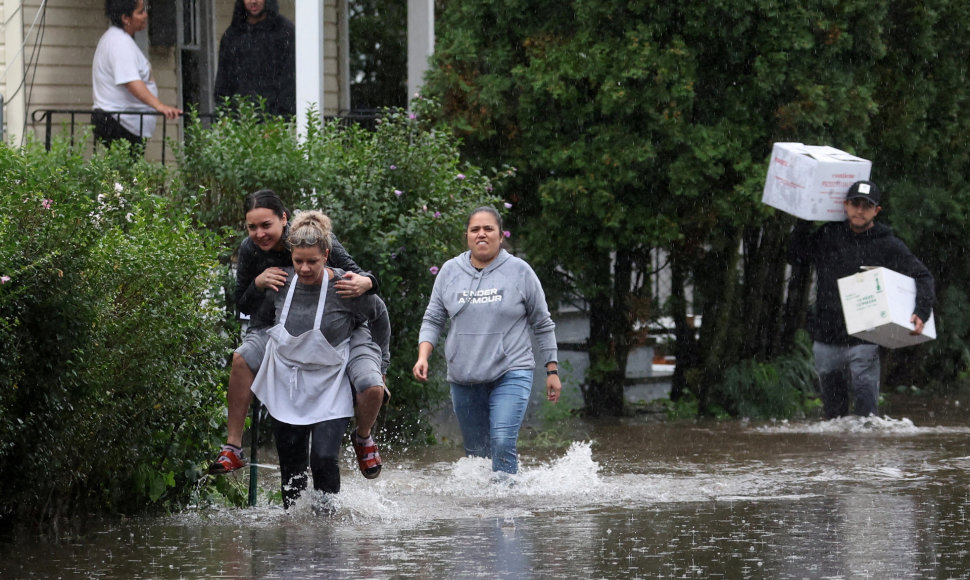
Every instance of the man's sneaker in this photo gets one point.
(368, 458)
(230, 459)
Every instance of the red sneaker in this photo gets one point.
(229, 460)
(368, 458)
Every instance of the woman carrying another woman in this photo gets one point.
(304, 378)
(492, 299)
(260, 271)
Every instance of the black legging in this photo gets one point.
(318, 445)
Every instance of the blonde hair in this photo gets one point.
(309, 229)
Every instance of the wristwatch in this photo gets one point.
(552, 372)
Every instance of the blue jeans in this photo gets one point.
(841, 367)
(490, 415)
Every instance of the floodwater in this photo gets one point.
(852, 498)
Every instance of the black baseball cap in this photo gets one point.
(864, 189)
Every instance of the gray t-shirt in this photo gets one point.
(340, 316)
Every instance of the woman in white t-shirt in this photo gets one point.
(121, 77)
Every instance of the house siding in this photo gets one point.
(58, 51)
(59, 46)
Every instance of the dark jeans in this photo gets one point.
(107, 130)
(317, 445)
(845, 370)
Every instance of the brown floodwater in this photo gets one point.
(852, 498)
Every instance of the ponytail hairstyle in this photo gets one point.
(309, 229)
(265, 198)
(485, 209)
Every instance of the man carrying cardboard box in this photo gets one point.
(839, 249)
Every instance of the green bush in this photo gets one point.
(780, 389)
(239, 152)
(110, 337)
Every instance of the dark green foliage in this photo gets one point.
(645, 125)
(779, 389)
(922, 151)
(239, 152)
(378, 54)
(110, 338)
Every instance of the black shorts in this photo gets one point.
(107, 130)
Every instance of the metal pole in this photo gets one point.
(254, 435)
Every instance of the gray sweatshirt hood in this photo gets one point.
(465, 261)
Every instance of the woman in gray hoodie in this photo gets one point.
(492, 300)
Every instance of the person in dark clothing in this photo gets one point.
(837, 250)
(257, 57)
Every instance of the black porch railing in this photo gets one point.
(76, 117)
(73, 118)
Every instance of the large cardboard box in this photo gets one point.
(810, 181)
(878, 303)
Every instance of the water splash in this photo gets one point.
(864, 425)
(410, 494)
(419, 493)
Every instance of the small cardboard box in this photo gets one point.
(811, 181)
(877, 304)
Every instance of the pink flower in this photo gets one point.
(433, 270)
(437, 214)
(393, 167)
(398, 192)
(412, 116)
(47, 203)
(460, 176)
(488, 188)
(507, 233)
(4, 279)
(508, 205)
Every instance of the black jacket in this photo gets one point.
(836, 252)
(259, 60)
(251, 263)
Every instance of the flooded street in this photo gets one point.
(852, 498)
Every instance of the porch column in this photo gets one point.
(14, 106)
(420, 43)
(308, 19)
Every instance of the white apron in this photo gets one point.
(302, 379)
